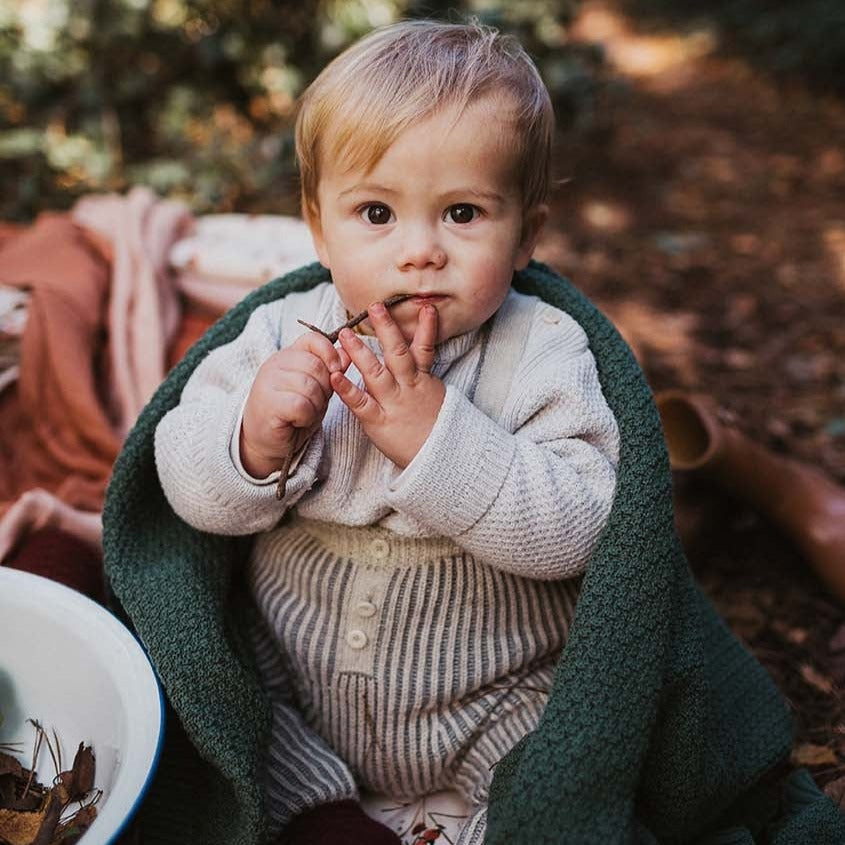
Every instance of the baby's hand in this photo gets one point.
(402, 400)
(287, 402)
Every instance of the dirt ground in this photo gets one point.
(706, 216)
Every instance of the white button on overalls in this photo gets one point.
(356, 638)
(380, 548)
(366, 609)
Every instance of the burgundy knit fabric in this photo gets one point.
(339, 823)
(61, 557)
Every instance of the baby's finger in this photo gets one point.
(345, 360)
(425, 336)
(358, 401)
(397, 353)
(304, 384)
(305, 364)
(377, 378)
(298, 410)
(322, 347)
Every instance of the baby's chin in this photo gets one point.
(445, 331)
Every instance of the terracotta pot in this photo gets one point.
(804, 503)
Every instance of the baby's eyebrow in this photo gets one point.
(490, 196)
(456, 193)
(367, 186)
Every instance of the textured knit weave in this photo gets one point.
(429, 696)
(528, 493)
(659, 723)
(451, 662)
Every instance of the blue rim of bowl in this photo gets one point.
(145, 788)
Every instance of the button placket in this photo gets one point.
(380, 549)
(365, 609)
(357, 639)
(362, 613)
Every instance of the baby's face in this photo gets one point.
(439, 216)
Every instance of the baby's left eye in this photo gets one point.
(462, 212)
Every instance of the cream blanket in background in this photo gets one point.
(136, 233)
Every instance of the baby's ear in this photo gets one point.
(532, 225)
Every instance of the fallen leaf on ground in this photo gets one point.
(796, 636)
(816, 679)
(813, 755)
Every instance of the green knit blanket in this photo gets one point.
(661, 726)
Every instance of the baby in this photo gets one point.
(450, 465)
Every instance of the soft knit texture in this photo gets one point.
(465, 614)
(448, 666)
(531, 504)
(660, 725)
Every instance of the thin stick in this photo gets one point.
(52, 753)
(58, 751)
(332, 337)
(283, 478)
(358, 318)
(39, 736)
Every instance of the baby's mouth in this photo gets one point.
(428, 298)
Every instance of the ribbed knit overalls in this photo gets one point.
(417, 666)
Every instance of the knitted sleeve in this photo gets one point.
(201, 477)
(530, 493)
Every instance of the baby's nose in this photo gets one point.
(420, 248)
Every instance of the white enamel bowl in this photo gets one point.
(69, 663)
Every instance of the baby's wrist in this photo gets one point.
(255, 463)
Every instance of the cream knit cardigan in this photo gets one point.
(528, 493)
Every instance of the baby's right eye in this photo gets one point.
(376, 213)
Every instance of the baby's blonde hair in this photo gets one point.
(402, 73)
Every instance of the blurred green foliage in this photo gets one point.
(789, 38)
(196, 98)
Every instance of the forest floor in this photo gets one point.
(704, 212)
(706, 216)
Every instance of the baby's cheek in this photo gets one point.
(489, 289)
(354, 295)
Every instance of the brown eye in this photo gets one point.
(462, 213)
(377, 214)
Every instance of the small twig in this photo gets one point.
(39, 736)
(358, 318)
(56, 765)
(58, 751)
(283, 478)
(332, 337)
